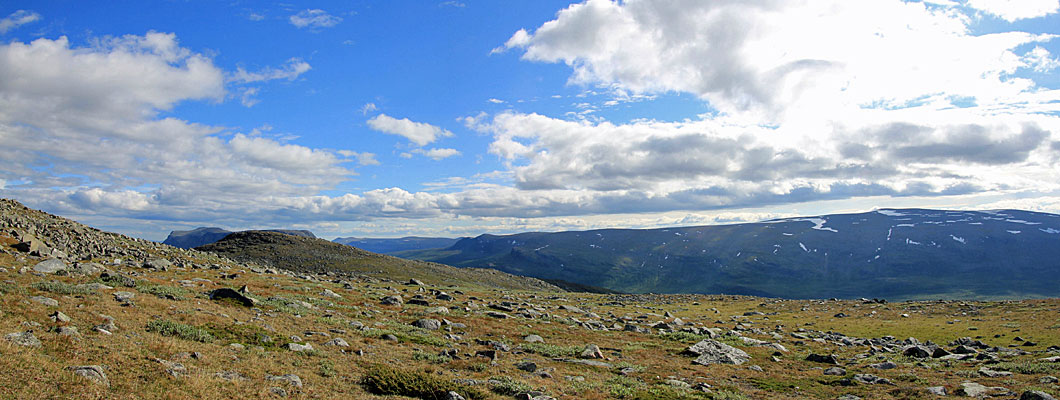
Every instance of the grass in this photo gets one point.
(246, 334)
(1028, 367)
(430, 358)
(390, 381)
(405, 334)
(507, 386)
(62, 288)
(180, 330)
(551, 350)
(164, 291)
(6, 288)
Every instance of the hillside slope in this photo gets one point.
(302, 254)
(906, 254)
(390, 246)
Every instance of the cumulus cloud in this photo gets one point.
(88, 118)
(363, 158)
(314, 19)
(16, 19)
(417, 132)
(763, 56)
(1013, 10)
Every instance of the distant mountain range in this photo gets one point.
(202, 236)
(897, 254)
(389, 246)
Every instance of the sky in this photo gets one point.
(457, 118)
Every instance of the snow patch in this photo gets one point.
(959, 239)
(891, 213)
(1020, 221)
(803, 247)
(818, 223)
(1014, 232)
(907, 225)
(911, 241)
(1049, 230)
(788, 234)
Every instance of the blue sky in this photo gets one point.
(454, 118)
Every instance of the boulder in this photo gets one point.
(709, 351)
(1036, 395)
(23, 339)
(429, 324)
(51, 266)
(91, 372)
(226, 293)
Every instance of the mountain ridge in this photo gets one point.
(206, 235)
(896, 253)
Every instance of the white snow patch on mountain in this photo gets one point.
(1014, 232)
(958, 238)
(803, 247)
(1020, 221)
(891, 213)
(1049, 230)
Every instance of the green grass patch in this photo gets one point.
(326, 368)
(246, 334)
(1028, 367)
(117, 280)
(507, 386)
(180, 330)
(405, 333)
(389, 381)
(6, 288)
(684, 337)
(163, 291)
(551, 350)
(62, 288)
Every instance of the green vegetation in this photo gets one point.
(507, 386)
(387, 380)
(551, 350)
(180, 330)
(246, 334)
(164, 291)
(62, 288)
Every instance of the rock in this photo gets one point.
(158, 264)
(917, 352)
(389, 337)
(989, 373)
(437, 310)
(884, 365)
(443, 296)
(591, 363)
(453, 396)
(70, 331)
(533, 339)
(290, 379)
(231, 376)
(870, 379)
(1036, 395)
(329, 293)
(124, 297)
(419, 302)
(415, 282)
(498, 315)
(937, 390)
(848, 397)
(709, 351)
(299, 347)
(429, 324)
(817, 358)
(48, 301)
(835, 371)
(391, 301)
(278, 391)
(972, 389)
(23, 339)
(1048, 379)
(59, 317)
(490, 354)
(51, 266)
(527, 366)
(173, 368)
(88, 268)
(91, 372)
(592, 351)
(337, 342)
(227, 293)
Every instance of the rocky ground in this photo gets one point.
(88, 314)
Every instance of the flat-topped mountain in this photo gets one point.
(909, 254)
(303, 254)
(203, 235)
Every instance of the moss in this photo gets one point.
(388, 381)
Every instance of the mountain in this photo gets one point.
(905, 254)
(95, 315)
(201, 236)
(304, 254)
(388, 246)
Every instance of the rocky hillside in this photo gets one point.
(301, 254)
(203, 236)
(894, 254)
(88, 314)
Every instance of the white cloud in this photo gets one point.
(290, 71)
(419, 133)
(362, 158)
(1013, 10)
(763, 60)
(495, 101)
(256, 17)
(1040, 60)
(367, 108)
(16, 19)
(314, 19)
(438, 154)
